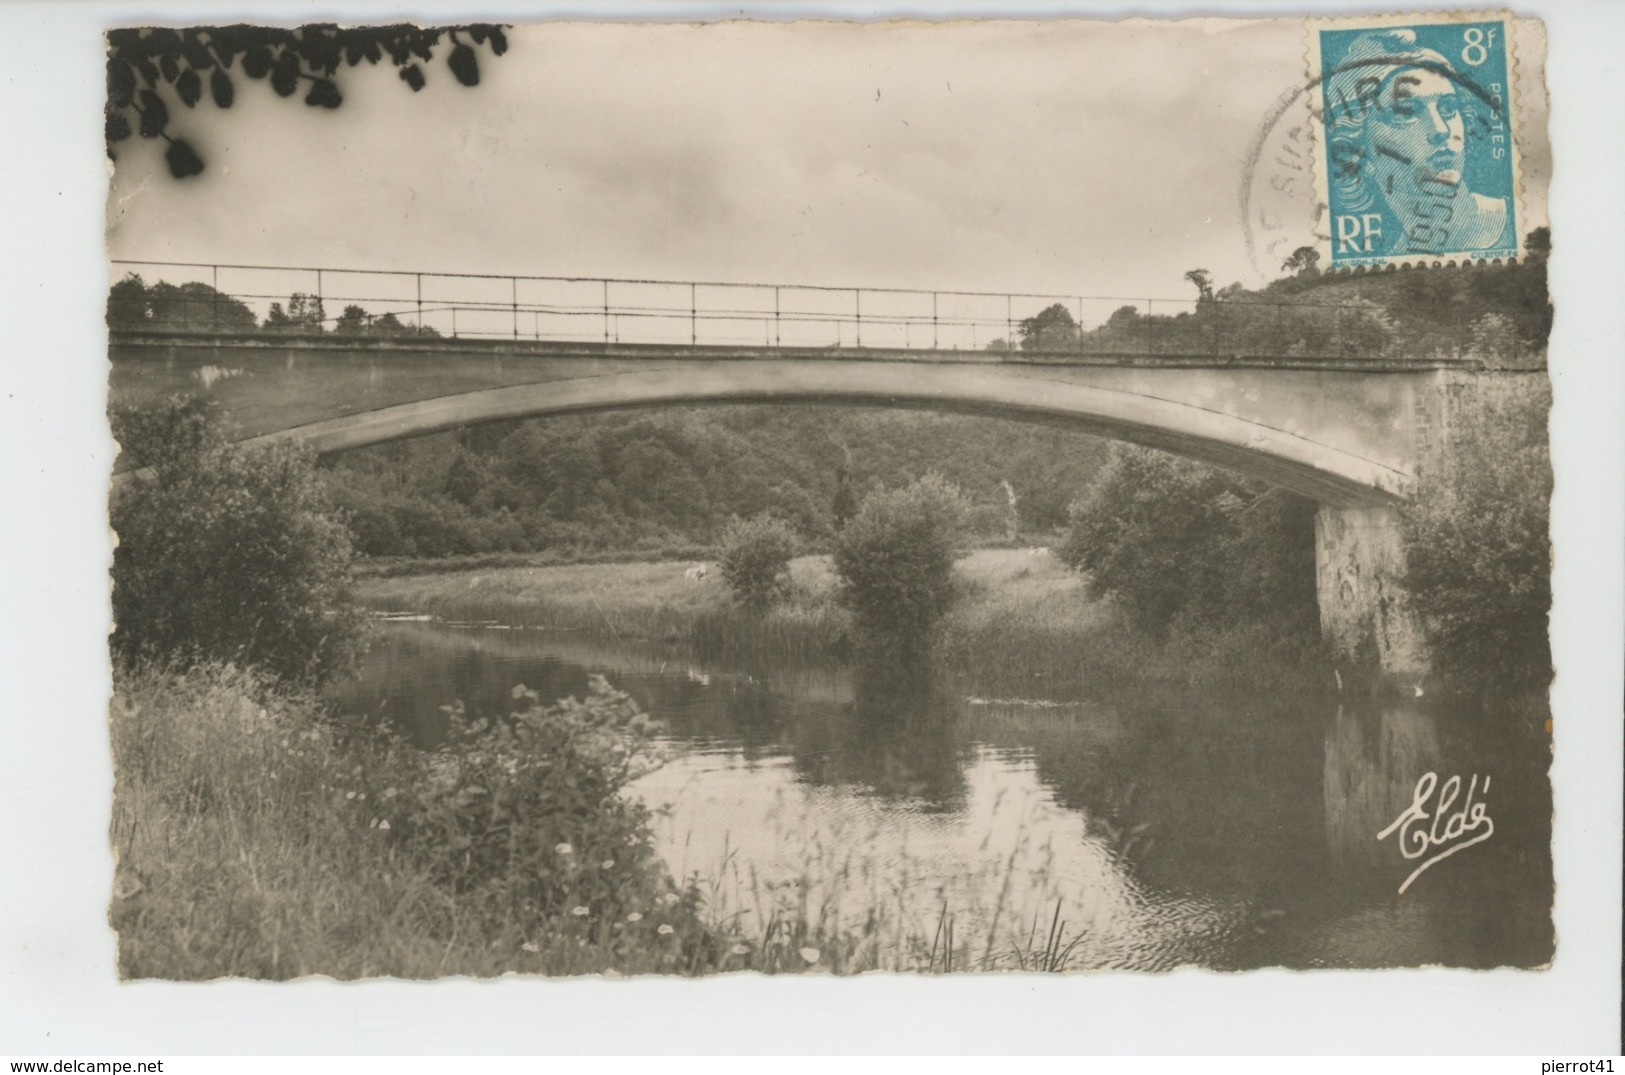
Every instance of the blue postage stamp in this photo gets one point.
(1417, 156)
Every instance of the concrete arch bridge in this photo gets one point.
(1350, 433)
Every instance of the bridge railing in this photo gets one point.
(215, 298)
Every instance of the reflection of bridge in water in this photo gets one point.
(1323, 400)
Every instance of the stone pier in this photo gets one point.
(1365, 611)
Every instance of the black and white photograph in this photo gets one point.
(750, 497)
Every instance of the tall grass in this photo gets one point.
(1022, 624)
(252, 840)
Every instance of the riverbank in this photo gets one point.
(258, 837)
(1021, 622)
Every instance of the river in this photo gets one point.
(1148, 832)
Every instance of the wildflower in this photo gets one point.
(635, 916)
(579, 911)
(810, 955)
(349, 795)
(671, 898)
(530, 946)
(563, 849)
(384, 824)
(609, 864)
(373, 824)
(740, 950)
(664, 929)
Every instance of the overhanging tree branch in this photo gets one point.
(141, 62)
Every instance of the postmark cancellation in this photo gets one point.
(1416, 155)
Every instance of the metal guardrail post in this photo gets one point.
(857, 299)
(606, 310)
(1009, 324)
(1150, 334)
(420, 302)
(693, 316)
(776, 335)
(514, 280)
(934, 345)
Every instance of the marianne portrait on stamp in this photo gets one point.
(1397, 130)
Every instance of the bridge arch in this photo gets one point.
(1327, 473)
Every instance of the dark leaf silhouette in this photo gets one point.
(196, 53)
(220, 86)
(285, 73)
(257, 61)
(162, 40)
(140, 61)
(189, 87)
(324, 93)
(120, 84)
(154, 116)
(464, 65)
(182, 160)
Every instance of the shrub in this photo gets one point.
(259, 837)
(755, 559)
(227, 553)
(1178, 541)
(895, 560)
(525, 812)
(1476, 536)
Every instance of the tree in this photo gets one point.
(389, 325)
(1477, 548)
(304, 314)
(895, 560)
(1177, 541)
(755, 559)
(1124, 317)
(151, 68)
(1051, 329)
(226, 553)
(1304, 262)
(191, 307)
(1204, 285)
(352, 322)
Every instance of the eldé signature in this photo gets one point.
(1421, 831)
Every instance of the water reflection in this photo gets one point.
(1168, 830)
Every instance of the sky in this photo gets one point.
(1068, 157)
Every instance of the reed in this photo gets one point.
(250, 841)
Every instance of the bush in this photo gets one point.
(258, 837)
(1177, 541)
(895, 560)
(1477, 548)
(755, 559)
(225, 553)
(525, 813)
